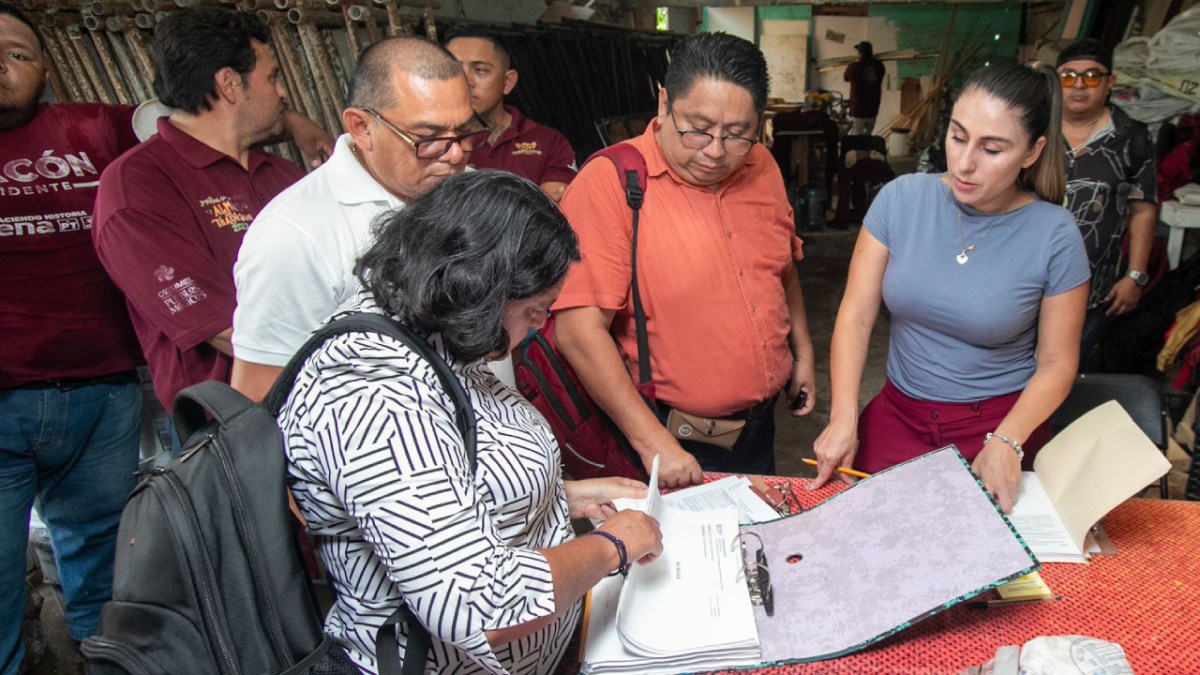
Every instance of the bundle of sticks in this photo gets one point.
(921, 120)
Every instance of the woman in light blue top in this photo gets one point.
(985, 278)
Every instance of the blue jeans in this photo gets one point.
(753, 453)
(73, 451)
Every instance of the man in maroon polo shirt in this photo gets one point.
(172, 212)
(516, 143)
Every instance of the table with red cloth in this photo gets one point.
(1145, 598)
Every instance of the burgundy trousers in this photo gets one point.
(894, 428)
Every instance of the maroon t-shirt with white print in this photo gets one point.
(62, 316)
(170, 218)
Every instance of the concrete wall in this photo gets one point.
(739, 21)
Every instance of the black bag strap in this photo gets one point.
(371, 322)
(631, 170)
(387, 648)
(416, 652)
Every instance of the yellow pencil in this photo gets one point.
(841, 469)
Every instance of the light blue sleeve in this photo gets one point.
(1068, 265)
(881, 214)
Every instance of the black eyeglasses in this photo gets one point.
(432, 148)
(698, 140)
(1091, 78)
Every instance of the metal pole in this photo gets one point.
(107, 60)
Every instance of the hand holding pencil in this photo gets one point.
(841, 469)
(834, 448)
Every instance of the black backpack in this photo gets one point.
(208, 576)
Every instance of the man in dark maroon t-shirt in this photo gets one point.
(516, 143)
(171, 213)
(866, 89)
(70, 400)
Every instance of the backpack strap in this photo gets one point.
(193, 406)
(371, 322)
(631, 171)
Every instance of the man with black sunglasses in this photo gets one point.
(1111, 186)
(409, 126)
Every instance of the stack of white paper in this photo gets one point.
(687, 610)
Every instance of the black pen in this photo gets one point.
(986, 604)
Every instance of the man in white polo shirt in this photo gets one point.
(410, 125)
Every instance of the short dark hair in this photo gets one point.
(9, 10)
(192, 45)
(1087, 49)
(483, 33)
(720, 56)
(451, 260)
(372, 87)
(1035, 94)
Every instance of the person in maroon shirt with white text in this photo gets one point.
(516, 143)
(171, 213)
(70, 401)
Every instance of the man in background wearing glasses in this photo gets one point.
(409, 126)
(715, 251)
(1111, 186)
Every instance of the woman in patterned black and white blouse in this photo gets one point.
(486, 561)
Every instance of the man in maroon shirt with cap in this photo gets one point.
(171, 213)
(516, 143)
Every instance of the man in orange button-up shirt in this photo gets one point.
(716, 245)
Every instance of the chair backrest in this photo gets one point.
(863, 143)
(1139, 395)
(613, 130)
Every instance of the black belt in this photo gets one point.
(64, 383)
(755, 411)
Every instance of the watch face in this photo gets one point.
(1139, 278)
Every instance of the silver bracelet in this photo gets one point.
(1011, 443)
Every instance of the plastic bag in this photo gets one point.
(1176, 48)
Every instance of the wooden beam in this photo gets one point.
(691, 4)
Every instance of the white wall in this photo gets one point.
(737, 21)
(854, 29)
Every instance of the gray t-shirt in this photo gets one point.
(968, 332)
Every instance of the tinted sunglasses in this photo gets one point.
(1091, 78)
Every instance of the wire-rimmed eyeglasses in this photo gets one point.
(698, 140)
(432, 148)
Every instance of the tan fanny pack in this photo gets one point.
(719, 432)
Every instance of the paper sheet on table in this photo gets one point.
(1036, 519)
(731, 491)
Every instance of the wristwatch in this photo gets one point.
(1140, 278)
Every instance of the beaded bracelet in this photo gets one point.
(1011, 443)
(623, 568)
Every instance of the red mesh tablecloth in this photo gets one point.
(1146, 598)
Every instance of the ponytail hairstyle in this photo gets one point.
(1034, 93)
